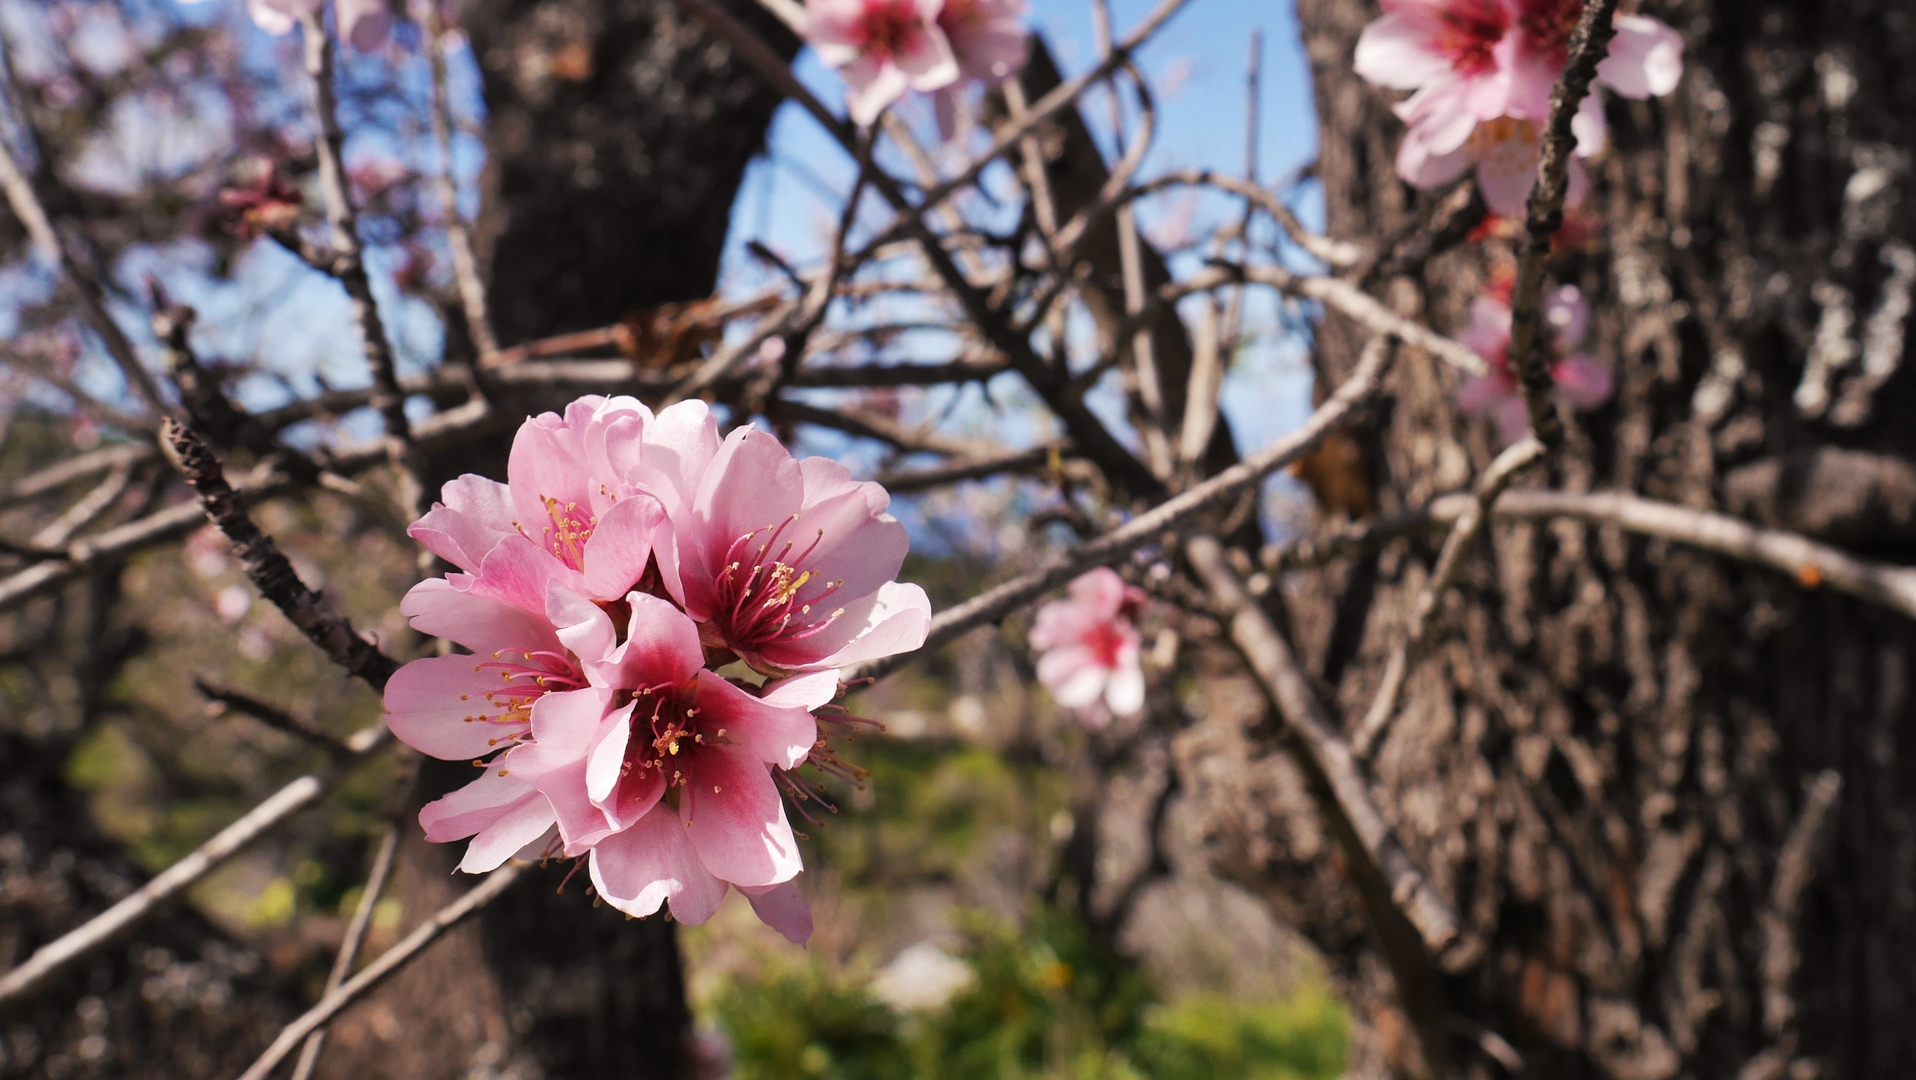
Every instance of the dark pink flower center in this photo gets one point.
(1467, 31)
(1546, 24)
(764, 594)
(1106, 642)
(524, 678)
(667, 734)
(888, 25)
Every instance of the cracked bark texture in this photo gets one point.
(1674, 799)
(618, 133)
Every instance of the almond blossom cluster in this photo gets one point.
(885, 47)
(655, 616)
(1482, 71)
(1582, 381)
(363, 23)
(1090, 651)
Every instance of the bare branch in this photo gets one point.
(268, 569)
(1543, 215)
(389, 961)
(226, 698)
(1457, 547)
(997, 602)
(102, 928)
(362, 921)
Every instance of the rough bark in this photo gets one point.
(1672, 797)
(617, 136)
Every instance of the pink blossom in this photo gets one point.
(1090, 648)
(789, 564)
(1483, 70)
(1583, 381)
(363, 23)
(987, 37)
(882, 47)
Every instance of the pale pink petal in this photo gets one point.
(899, 622)
(565, 725)
(444, 707)
(1395, 51)
(473, 807)
(680, 444)
(516, 572)
(587, 631)
(1063, 622)
(1124, 692)
(1488, 332)
(1513, 419)
(1073, 675)
(927, 59)
(736, 819)
(581, 823)
(661, 645)
(1100, 590)
(806, 691)
(1484, 394)
(485, 626)
(606, 765)
(1583, 381)
(502, 839)
(629, 534)
(640, 869)
(1532, 73)
(1646, 58)
(1590, 127)
(776, 736)
(548, 463)
(783, 908)
(1441, 120)
(870, 85)
(474, 514)
(753, 483)
(1566, 317)
(363, 23)
(1506, 171)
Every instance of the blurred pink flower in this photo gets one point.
(1583, 381)
(1090, 648)
(1483, 70)
(789, 564)
(363, 23)
(987, 37)
(882, 48)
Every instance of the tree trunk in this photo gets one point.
(1673, 798)
(618, 134)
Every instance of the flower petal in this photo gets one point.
(449, 707)
(1645, 60)
(502, 839)
(783, 908)
(650, 863)
(770, 734)
(736, 819)
(473, 807)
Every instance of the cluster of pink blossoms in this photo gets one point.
(1482, 71)
(885, 47)
(627, 560)
(1582, 381)
(364, 23)
(1090, 651)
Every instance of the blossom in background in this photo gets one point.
(987, 37)
(1090, 652)
(988, 40)
(364, 23)
(1482, 71)
(1583, 381)
(589, 696)
(882, 48)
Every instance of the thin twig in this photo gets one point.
(1543, 214)
(40, 228)
(267, 567)
(227, 698)
(465, 263)
(916, 480)
(389, 961)
(86, 511)
(1810, 564)
(102, 928)
(348, 262)
(1457, 547)
(1001, 600)
(362, 921)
